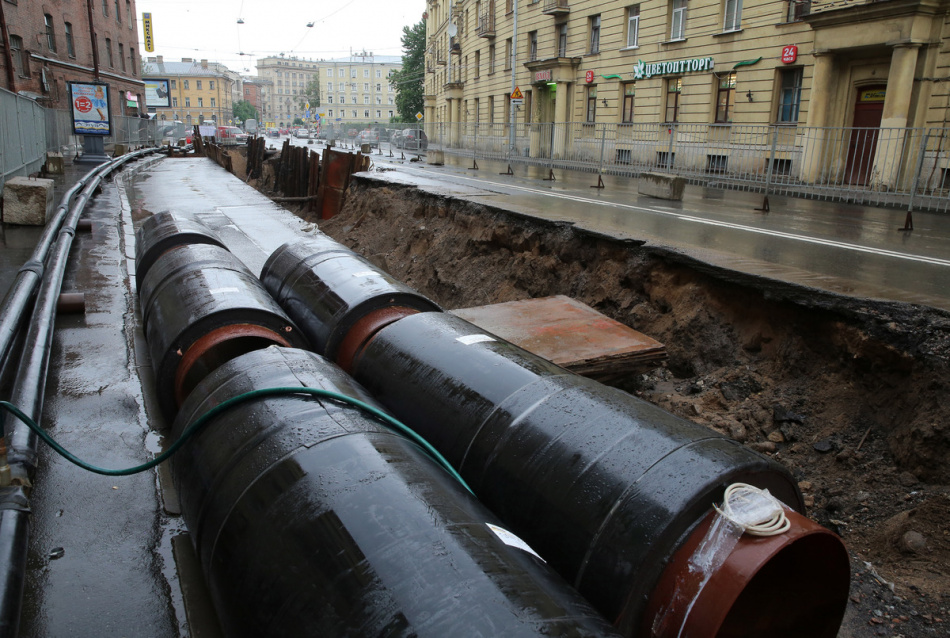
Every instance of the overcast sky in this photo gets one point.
(209, 28)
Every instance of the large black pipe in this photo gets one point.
(311, 519)
(27, 394)
(334, 294)
(201, 306)
(603, 485)
(163, 232)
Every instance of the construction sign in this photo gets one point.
(517, 97)
(147, 29)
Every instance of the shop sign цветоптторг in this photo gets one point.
(642, 70)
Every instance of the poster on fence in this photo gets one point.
(89, 105)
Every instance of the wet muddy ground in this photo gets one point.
(850, 394)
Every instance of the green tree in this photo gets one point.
(244, 110)
(310, 95)
(410, 80)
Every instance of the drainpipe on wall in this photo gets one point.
(7, 56)
(95, 44)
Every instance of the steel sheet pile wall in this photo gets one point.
(310, 519)
(609, 489)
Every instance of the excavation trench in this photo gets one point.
(850, 394)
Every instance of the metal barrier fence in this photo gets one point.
(131, 131)
(22, 136)
(906, 167)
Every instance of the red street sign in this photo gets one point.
(789, 54)
(589, 77)
(83, 104)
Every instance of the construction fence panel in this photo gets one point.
(22, 136)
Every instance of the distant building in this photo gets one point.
(354, 89)
(254, 90)
(52, 44)
(200, 90)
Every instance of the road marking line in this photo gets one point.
(761, 231)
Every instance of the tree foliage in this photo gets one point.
(244, 110)
(310, 95)
(410, 80)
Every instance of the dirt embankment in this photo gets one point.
(851, 395)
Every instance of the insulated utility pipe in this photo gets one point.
(28, 391)
(605, 486)
(339, 295)
(201, 306)
(163, 232)
(311, 519)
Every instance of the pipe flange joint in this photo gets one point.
(32, 266)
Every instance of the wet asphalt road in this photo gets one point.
(101, 559)
(842, 248)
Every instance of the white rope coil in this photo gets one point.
(754, 510)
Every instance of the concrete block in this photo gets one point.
(27, 201)
(55, 164)
(435, 157)
(661, 186)
(120, 149)
(366, 149)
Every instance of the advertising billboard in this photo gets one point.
(89, 106)
(157, 93)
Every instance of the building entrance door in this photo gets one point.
(868, 110)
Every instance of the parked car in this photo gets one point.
(368, 137)
(285, 131)
(395, 138)
(412, 139)
(230, 135)
(272, 132)
(302, 133)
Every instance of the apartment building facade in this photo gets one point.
(46, 46)
(353, 89)
(717, 63)
(199, 90)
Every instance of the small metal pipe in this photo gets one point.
(71, 303)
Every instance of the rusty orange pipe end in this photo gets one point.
(790, 585)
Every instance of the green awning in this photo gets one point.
(746, 63)
(611, 77)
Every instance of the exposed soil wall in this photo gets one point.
(849, 394)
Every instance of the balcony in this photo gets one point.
(454, 46)
(486, 25)
(556, 7)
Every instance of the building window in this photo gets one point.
(491, 58)
(366, 86)
(478, 66)
(70, 45)
(198, 85)
(726, 97)
(329, 86)
(678, 20)
(109, 52)
(201, 102)
(674, 86)
(732, 15)
(353, 75)
(595, 33)
(790, 95)
(342, 73)
(122, 56)
(330, 113)
(118, 17)
(128, 13)
(210, 85)
(330, 73)
(187, 102)
(365, 99)
(508, 54)
(633, 26)
(105, 8)
(329, 99)
(797, 9)
(213, 103)
(132, 60)
(628, 93)
(20, 57)
(173, 84)
(379, 87)
(175, 102)
(591, 104)
(50, 35)
(532, 46)
(379, 74)
(562, 40)
(185, 82)
(366, 75)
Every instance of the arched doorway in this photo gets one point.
(868, 109)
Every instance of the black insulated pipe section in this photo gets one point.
(326, 289)
(27, 394)
(603, 485)
(163, 232)
(201, 306)
(311, 519)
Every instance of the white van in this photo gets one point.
(250, 127)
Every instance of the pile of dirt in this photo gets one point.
(850, 394)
